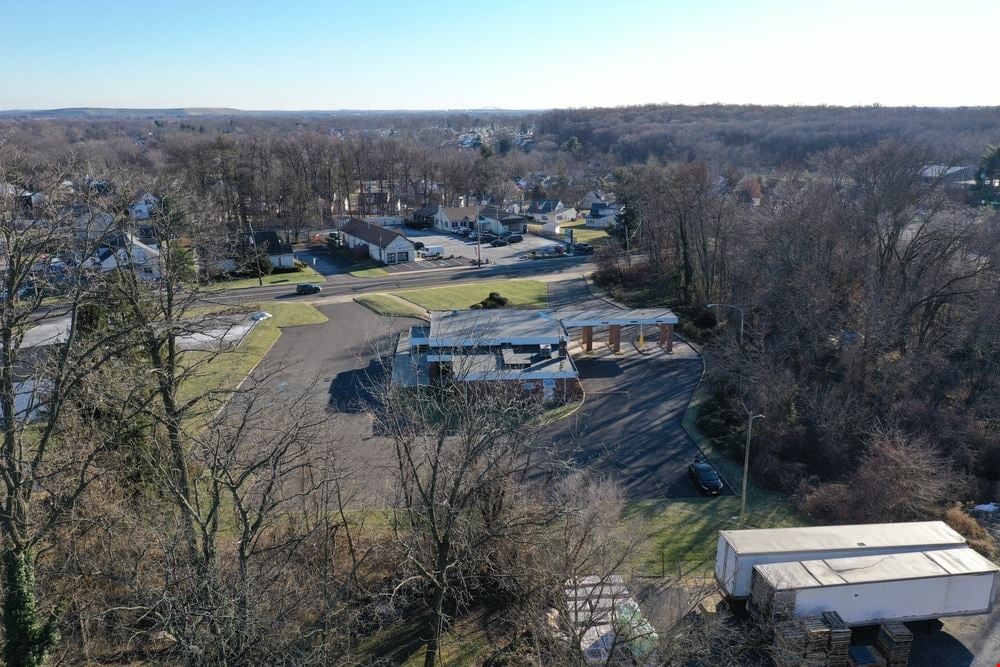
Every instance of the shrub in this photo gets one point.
(706, 319)
(969, 528)
(494, 300)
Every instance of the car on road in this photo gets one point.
(705, 477)
(496, 243)
(515, 238)
(583, 249)
(308, 288)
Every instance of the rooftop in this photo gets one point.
(371, 233)
(825, 538)
(462, 328)
(863, 569)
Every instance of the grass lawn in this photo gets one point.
(463, 645)
(582, 234)
(681, 535)
(390, 306)
(371, 272)
(227, 370)
(522, 294)
(306, 275)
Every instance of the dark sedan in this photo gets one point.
(705, 477)
(496, 243)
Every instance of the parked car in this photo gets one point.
(583, 249)
(515, 238)
(465, 231)
(488, 237)
(496, 243)
(705, 477)
(308, 288)
(418, 245)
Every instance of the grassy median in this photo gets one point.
(520, 293)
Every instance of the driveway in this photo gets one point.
(334, 363)
(630, 422)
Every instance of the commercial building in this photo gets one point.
(380, 244)
(526, 346)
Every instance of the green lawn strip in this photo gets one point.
(306, 275)
(371, 272)
(521, 293)
(584, 234)
(390, 306)
(681, 535)
(228, 369)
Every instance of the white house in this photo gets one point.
(143, 207)
(548, 211)
(453, 218)
(603, 215)
(126, 252)
(499, 221)
(383, 245)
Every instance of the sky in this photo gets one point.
(514, 54)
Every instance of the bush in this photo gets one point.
(706, 319)
(299, 264)
(969, 528)
(494, 300)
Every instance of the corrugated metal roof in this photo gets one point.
(825, 538)
(866, 569)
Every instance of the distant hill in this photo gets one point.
(193, 112)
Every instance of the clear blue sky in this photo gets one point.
(435, 54)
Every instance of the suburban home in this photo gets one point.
(499, 222)
(603, 215)
(279, 253)
(595, 196)
(453, 218)
(551, 211)
(125, 251)
(382, 245)
(143, 207)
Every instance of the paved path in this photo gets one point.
(630, 422)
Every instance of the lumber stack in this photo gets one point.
(894, 643)
(801, 641)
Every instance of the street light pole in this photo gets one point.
(729, 305)
(746, 466)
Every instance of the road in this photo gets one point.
(346, 285)
(630, 422)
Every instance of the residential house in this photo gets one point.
(453, 218)
(143, 207)
(548, 211)
(382, 245)
(603, 215)
(126, 252)
(595, 196)
(279, 253)
(498, 221)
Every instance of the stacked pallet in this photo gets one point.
(864, 656)
(894, 643)
(840, 639)
(801, 641)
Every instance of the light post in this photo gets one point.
(746, 466)
(729, 305)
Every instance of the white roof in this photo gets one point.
(826, 538)
(612, 315)
(866, 569)
(489, 327)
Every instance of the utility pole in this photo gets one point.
(729, 305)
(746, 465)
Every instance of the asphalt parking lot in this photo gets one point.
(630, 422)
(457, 245)
(334, 363)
